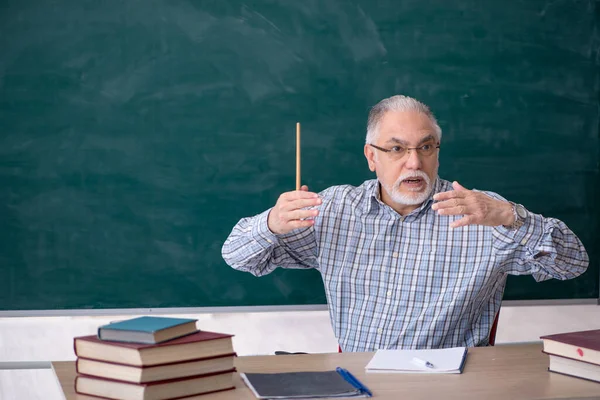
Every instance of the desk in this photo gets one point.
(500, 372)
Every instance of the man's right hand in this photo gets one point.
(288, 213)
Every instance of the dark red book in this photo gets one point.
(581, 345)
(179, 388)
(575, 368)
(136, 374)
(197, 345)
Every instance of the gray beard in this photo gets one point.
(411, 198)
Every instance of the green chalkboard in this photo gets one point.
(135, 134)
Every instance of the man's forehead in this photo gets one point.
(397, 122)
(413, 140)
(407, 134)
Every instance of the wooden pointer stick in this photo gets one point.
(298, 184)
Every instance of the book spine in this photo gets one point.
(463, 361)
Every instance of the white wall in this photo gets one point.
(51, 338)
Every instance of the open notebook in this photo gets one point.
(434, 361)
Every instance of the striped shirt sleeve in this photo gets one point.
(543, 247)
(252, 247)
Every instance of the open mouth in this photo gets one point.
(413, 183)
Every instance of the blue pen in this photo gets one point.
(353, 381)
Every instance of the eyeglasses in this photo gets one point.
(398, 152)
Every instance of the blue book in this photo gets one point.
(148, 330)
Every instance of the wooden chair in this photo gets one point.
(494, 329)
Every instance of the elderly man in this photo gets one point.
(408, 260)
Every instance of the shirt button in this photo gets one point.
(379, 330)
(523, 242)
(269, 240)
(395, 254)
(389, 293)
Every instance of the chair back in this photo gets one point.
(494, 329)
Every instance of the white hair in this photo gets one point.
(397, 103)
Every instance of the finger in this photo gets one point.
(304, 188)
(299, 215)
(464, 221)
(457, 186)
(455, 202)
(451, 194)
(460, 210)
(298, 194)
(300, 203)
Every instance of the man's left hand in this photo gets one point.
(477, 208)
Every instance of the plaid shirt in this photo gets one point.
(409, 281)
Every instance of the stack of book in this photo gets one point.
(574, 353)
(153, 358)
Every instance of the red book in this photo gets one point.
(198, 345)
(179, 388)
(135, 374)
(581, 345)
(574, 353)
(571, 367)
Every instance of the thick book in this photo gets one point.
(575, 368)
(304, 385)
(197, 345)
(426, 361)
(136, 374)
(163, 390)
(147, 329)
(580, 345)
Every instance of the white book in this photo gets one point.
(430, 361)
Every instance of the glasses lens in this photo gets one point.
(398, 152)
(427, 149)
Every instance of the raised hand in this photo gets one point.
(289, 214)
(477, 208)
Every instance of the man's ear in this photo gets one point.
(370, 156)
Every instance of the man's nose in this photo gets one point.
(413, 161)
